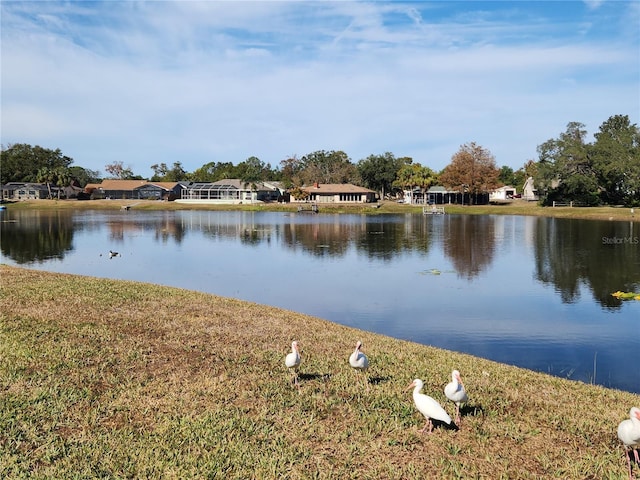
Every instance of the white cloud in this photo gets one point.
(215, 81)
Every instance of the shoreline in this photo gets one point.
(519, 207)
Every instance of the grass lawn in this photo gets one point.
(116, 379)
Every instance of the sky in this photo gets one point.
(194, 82)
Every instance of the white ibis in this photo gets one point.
(292, 361)
(455, 392)
(359, 360)
(629, 434)
(426, 405)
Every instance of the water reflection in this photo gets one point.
(604, 256)
(36, 237)
(568, 254)
(471, 243)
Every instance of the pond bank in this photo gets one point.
(515, 208)
(175, 383)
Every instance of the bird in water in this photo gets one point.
(629, 435)
(359, 360)
(427, 406)
(455, 392)
(113, 254)
(292, 361)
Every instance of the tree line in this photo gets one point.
(606, 171)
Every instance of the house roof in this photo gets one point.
(31, 185)
(129, 184)
(503, 188)
(228, 184)
(335, 188)
(118, 184)
(437, 189)
(165, 185)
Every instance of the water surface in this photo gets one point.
(528, 291)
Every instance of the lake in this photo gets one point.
(527, 291)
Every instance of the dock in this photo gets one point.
(433, 210)
(313, 208)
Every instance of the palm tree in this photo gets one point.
(46, 175)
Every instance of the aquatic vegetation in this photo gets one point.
(626, 295)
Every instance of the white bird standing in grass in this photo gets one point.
(427, 406)
(455, 392)
(359, 360)
(629, 434)
(292, 361)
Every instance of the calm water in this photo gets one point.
(532, 292)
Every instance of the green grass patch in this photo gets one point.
(115, 379)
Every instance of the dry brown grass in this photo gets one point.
(104, 378)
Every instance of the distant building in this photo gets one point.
(504, 194)
(27, 191)
(134, 190)
(229, 192)
(337, 193)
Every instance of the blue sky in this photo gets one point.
(207, 81)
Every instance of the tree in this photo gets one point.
(117, 170)
(46, 175)
(378, 172)
(84, 176)
(251, 171)
(21, 162)
(290, 169)
(616, 159)
(414, 175)
(565, 169)
(327, 167)
(212, 172)
(506, 176)
(472, 169)
(60, 177)
(161, 173)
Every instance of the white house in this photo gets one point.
(504, 194)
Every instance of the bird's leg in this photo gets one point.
(635, 455)
(627, 454)
(428, 425)
(458, 418)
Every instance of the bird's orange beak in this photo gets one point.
(411, 385)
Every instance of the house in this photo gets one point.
(504, 194)
(229, 191)
(71, 191)
(134, 190)
(439, 195)
(529, 191)
(27, 191)
(337, 193)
